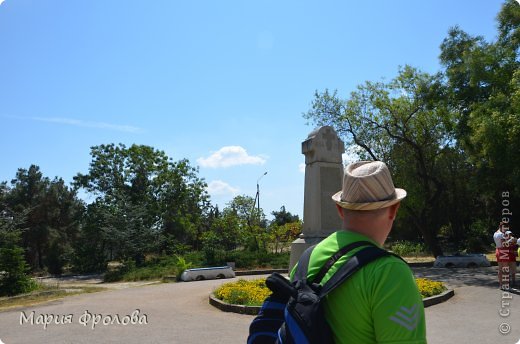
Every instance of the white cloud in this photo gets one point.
(301, 167)
(88, 124)
(1, 1)
(230, 156)
(220, 188)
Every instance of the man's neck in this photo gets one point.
(377, 235)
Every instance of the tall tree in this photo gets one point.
(406, 124)
(147, 202)
(483, 80)
(52, 213)
(283, 216)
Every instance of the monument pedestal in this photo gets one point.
(299, 245)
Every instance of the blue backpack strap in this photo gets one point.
(356, 262)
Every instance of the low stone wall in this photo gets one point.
(227, 307)
(436, 299)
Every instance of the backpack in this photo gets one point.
(294, 313)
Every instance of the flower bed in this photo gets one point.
(254, 292)
(428, 287)
(242, 292)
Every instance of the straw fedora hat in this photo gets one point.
(368, 185)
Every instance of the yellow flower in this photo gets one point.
(254, 292)
(242, 292)
(428, 287)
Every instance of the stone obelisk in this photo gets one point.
(323, 177)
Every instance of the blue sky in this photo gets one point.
(222, 83)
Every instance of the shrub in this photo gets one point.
(408, 248)
(154, 268)
(181, 265)
(245, 259)
(13, 273)
(120, 273)
(478, 237)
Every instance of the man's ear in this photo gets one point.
(340, 211)
(392, 211)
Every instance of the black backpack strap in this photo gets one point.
(303, 265)
(360, 259)
(336, 256)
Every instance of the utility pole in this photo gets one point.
(256, 203)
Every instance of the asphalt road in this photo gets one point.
(180, 313)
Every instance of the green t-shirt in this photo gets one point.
(378, 304)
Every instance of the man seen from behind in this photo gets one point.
(380, 303)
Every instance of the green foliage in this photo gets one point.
(451, 139)
(145, 203)
(181, 265)
(125, 272)
(13, 273)
(484, 90)
(91, 243)
(406, 124)
(49, 215)
(283, 217)
(281, 236)
(245, 259)
(477, 238)
(153, 269)
(211, 247)
(408, 248)
(57, 258)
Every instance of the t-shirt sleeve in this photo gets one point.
(397, 306)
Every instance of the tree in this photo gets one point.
(483, 80)
(145, 202)
(51, 213)
(282, 235)
(406, 124)
(13, 272)
(282, 217)
(13, 269)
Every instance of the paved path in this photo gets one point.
(473, 314)
(180, 313)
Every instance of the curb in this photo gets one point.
(253, 310)
(227, 307)
(434, 300)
